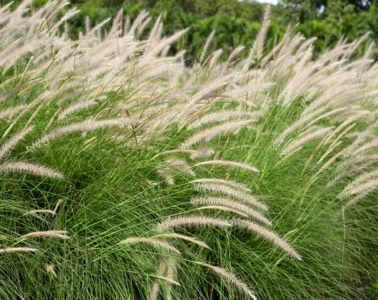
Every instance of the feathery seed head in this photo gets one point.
(267, 234)
(158, 243)
(227, 190)
(17, 250)
(191, 221)
(29, 168)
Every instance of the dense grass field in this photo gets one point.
(127, 175)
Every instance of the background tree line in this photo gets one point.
(237, 22)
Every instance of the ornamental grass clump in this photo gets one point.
(127, 175)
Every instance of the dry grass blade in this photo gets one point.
(75, 107)
(165, 42)
(13, 141)
(12, 111)
(167, 279)
(61, 234)
(183, 237)
(50, 270)
(194, 154)
(181, 165)
(207, 44)
(162, 270)
(224, 208)
(42, 211)
(88, 125)
(235, 185)
(369, 185)
(219, 116)
(261, 37)
(201, 153)
(155, 290)
(164, 172)
(325, 166)
(152, 241)
(210, 133)
(229, 163)
(300, 142)
(357, 198)
(227, 190)
(360, 180)
(267, 234)
(237, 207)
(228, 276)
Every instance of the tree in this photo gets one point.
(313, 9)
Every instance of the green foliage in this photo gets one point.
(120, 182)
(237, 23)
(309, 8)
(340, 22)
(231, 30)
(375, 285)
